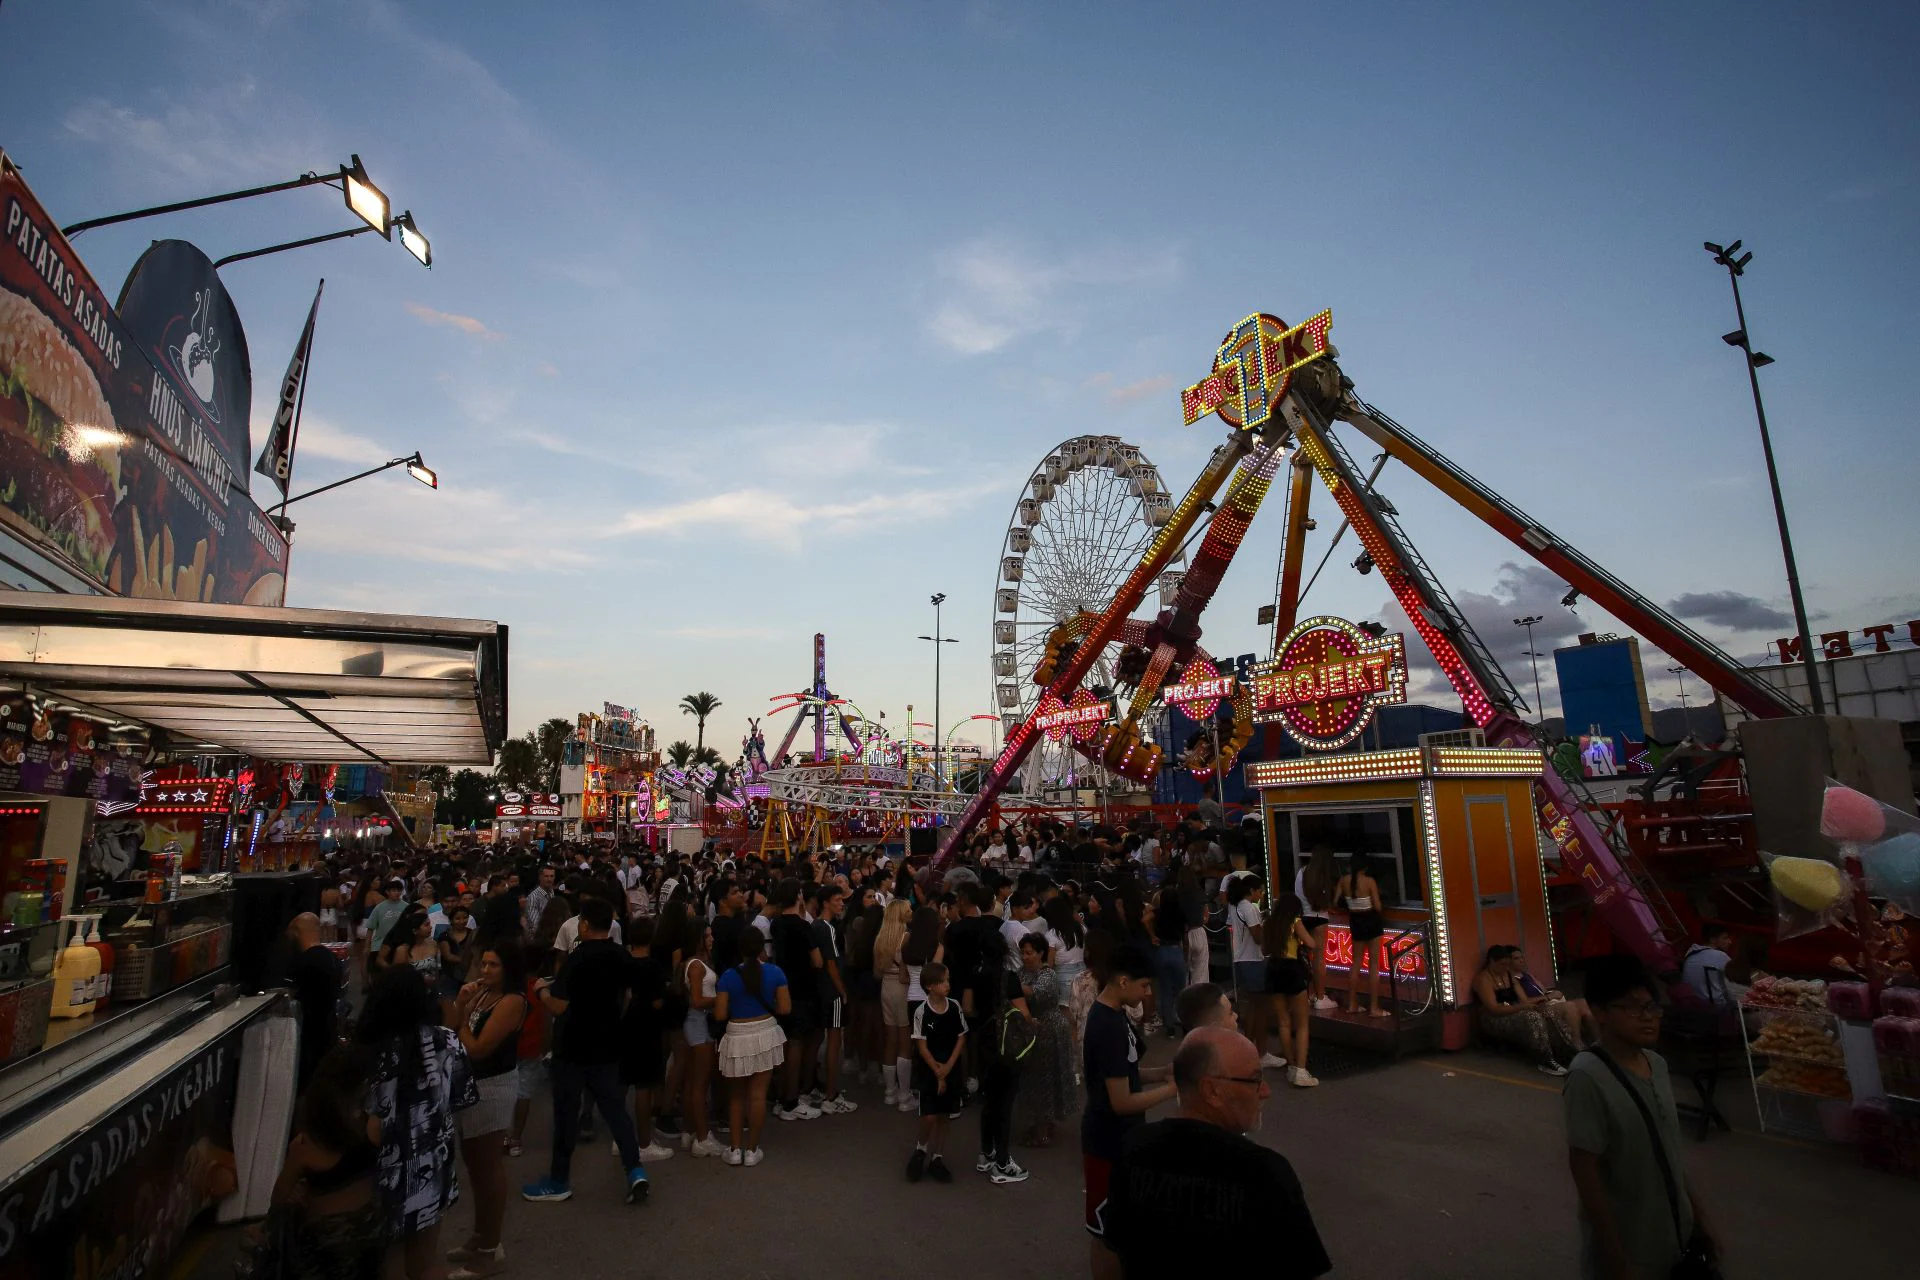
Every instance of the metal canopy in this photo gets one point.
(312, 685)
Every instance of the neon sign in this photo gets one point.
(1327, 680)
(1200, 689)
(1253, 369)
(1081, 717)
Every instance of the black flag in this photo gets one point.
(276, 456)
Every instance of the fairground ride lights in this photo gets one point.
(1253, 368)
(1358, 766)
(1437, 886)
(1487, 762)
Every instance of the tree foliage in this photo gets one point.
(680, 753)
(699, 706)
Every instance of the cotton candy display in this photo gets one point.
(1892, 870)
(1808, 882)
(1808, 894)
(1846, 814)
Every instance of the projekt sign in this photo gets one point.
(1327, 680)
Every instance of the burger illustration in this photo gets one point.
(59, 443)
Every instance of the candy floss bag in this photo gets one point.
(1809, 894)
(1885, 840)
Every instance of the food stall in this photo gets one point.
(1449, 830)
(125, 1120)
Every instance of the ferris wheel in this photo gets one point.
(1081, 525)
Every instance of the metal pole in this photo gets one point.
(939, 757)
(1815, 696)
(304, 180)
(370, 471)
(293, 244)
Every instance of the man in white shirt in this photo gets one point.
(1705, 969)
(1023, 917)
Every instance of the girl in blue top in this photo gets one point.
(748, 998)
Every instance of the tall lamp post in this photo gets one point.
(1680, 674)
(1539, 707)
(1756, 361)
(939, 767)
(415, 465)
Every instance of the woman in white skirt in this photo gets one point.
(748, 998)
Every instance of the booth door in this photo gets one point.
(1495, 896)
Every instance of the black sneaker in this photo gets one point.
(917, 1165)
(669, 1125)
(938, 1171)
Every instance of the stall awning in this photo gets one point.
(311, 685)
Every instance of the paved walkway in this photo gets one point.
(1447, 1166)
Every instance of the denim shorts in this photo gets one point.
(1250, 976)
(528, 1076)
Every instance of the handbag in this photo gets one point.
(1697, 1259)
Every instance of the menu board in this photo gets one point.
(48, 751)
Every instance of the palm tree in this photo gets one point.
(706, 755)
(552, 737)
(680, 753)
(519, 767)
(699, 706)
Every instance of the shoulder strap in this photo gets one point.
(1653, 1134)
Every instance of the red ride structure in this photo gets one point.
(1279, 387)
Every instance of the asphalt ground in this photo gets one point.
(1450, 1165)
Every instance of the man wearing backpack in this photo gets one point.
(1007, 1041)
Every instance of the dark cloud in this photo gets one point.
(1732, 610)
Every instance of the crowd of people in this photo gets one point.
(680, 1000)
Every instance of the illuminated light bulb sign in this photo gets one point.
(1200, 690)
(1082, 717)
(1327, 680)
(1253, 369)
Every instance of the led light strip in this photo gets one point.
(1487, 762)
(1430, 838)
(1356, 766)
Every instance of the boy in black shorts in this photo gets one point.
(939, 1037)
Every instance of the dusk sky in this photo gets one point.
(751, 320)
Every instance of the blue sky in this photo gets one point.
(750, 320)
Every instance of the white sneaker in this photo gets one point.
(654, 1151)
(685, 1140)
(1272, 1061)
(1324, 1002)
(733, 1155)
(708, 1146)
(1301, 1078)
(984, 1164)
(754, 1157)
(1005, 1173)
(804, 1110)
(890, 1097)
(909, 1103)
(1553, 1069)
(839, 1105)
(816, 1097)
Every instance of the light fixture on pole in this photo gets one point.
(1539, 707)
(1680, 674)
(366, 201)
(1755, 361)
(415, 465)
(939, 767)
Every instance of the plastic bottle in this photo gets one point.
(73, 977)
(102, 985)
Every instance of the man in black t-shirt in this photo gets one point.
(315, 975)
(829, 901)
(1116, 1102)
(587, 998)
(1196, 1182)
(794, 951)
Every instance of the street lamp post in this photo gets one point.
(939, 767)
(1756, 361)
(1539, 707)
(1680, 674)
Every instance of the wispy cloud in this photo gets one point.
(219, 141)
(1130, 392)
(320, 438)
(722, 633)
(776, 517)
(996, 292)
(547, 369)
(453, 320)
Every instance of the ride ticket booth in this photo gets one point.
(1449, 832)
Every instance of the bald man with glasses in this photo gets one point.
(1196, 1186)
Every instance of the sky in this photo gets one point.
(751, 320)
